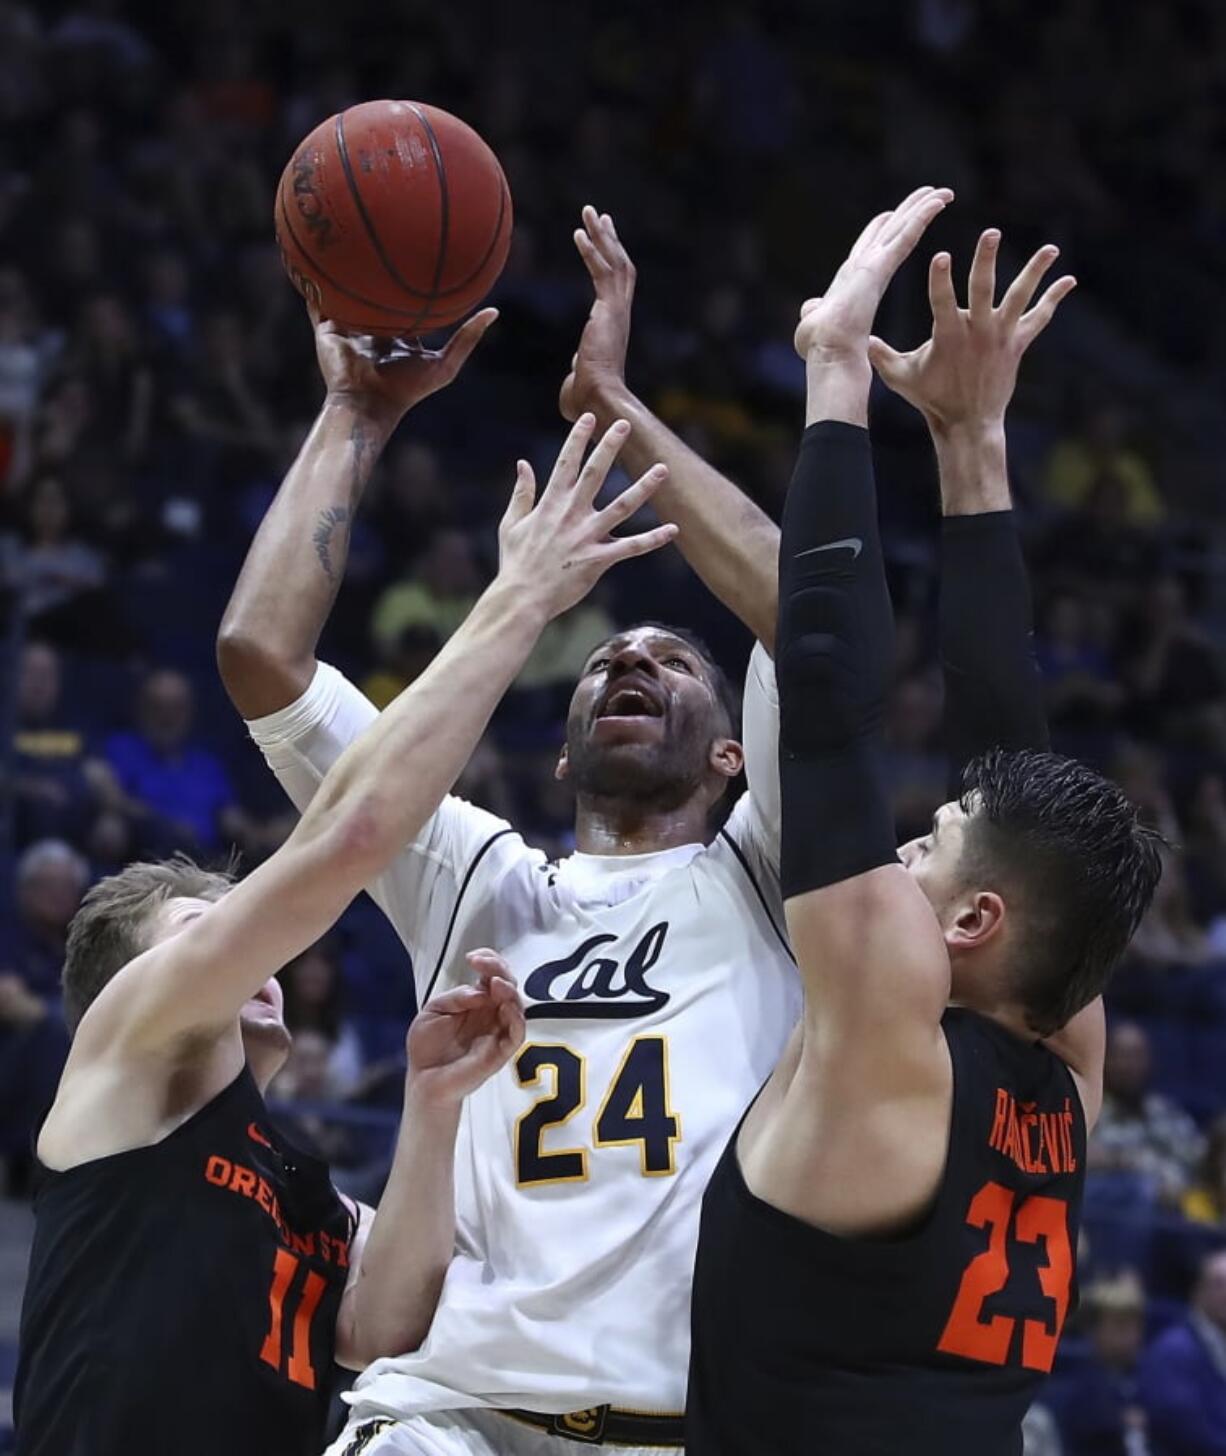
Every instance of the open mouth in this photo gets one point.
(630, 702)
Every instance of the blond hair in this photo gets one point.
(112, 926)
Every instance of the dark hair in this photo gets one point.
(1068, 849)
(725, 693)
(112, 926)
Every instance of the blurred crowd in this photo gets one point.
(157, 376)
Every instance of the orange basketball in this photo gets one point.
(393, 218)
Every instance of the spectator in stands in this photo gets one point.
(1100, 448)
(59, 785)
(1097, 551)
(1169, 934)
(1203, 817)
(218, 408)
(401, 662)
(168, 310)
(438, 593)
(1183, 1376)
(165, 772)
(315, 1002)
(57, 574)
(24, 355)
(33, 1046)
(1078, 676)
(1174, 673)
(51, 878)
(1099, 1412)
(415, 501)
(1205, 1200)
(107, 353)
(1141, 1132)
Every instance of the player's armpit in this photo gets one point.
(417, 891)
(872, 957)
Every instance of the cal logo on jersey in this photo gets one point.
(588, 984)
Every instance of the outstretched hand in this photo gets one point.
(387, 377)
(966, 372)
(556, 549)
(461, 1038)
(837, 325)
(598, 369)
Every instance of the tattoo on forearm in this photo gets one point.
(365, 453)
(325, 528)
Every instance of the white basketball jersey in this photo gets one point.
(659, 994)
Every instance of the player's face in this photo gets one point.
(266, 1038)
(933, 860)
(643, 720)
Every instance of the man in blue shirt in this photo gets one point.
(1183, 1378)
(183, 783)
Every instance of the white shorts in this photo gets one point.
(475, 1432)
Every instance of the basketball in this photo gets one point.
(393, 218)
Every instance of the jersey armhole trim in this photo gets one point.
(757, 889)
(455, 911)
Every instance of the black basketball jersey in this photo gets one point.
(182, 1298)
(932, 1343)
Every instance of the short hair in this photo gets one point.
(112, 926)
(727, 696)
(45, 852)
(1067, 847)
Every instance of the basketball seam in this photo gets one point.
(503, 198)
(409, 313)
(444, 197)
(343, 152)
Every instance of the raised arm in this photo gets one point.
(870, 949)
(731, 544)
(369, 806)
(266, 644)
(456, 1042)
(961, 380)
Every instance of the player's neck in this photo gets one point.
(264, 1062)
(604, 826)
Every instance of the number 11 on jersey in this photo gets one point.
(635, 1111)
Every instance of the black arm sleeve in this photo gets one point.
(834, 661)
(993, 693)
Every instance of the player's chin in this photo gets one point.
(613, 730)
(262, 1023)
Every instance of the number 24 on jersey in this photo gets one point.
(635, 1111)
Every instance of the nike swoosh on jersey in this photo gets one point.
(850, 543)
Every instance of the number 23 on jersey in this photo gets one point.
(635, 1111)
(1035, 1220)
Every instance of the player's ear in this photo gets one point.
(562, 767)
(727, 757)
(977, 920)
